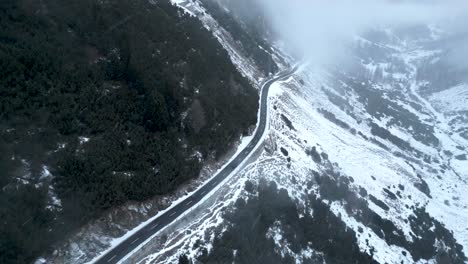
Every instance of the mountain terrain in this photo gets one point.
(365, 162)
(105, 103)
(113, 110)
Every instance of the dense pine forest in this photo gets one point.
(102, 102)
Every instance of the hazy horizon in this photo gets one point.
(320, 30)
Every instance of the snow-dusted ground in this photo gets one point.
(451, 100)
(424, 157)
(364, 161)
(359, 158)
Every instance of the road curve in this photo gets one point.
(128, 245)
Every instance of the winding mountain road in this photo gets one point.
(118, 252)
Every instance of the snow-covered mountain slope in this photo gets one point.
(452, 103)
(374, 143)
(246, 65)
(363, 162)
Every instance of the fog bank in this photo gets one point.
(319, 30)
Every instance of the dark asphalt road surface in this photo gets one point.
(126, 246)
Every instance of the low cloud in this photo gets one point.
(320, 29)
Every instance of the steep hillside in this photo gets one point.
(248, 27)
(364, 144)
(365, 163)
(103, 102)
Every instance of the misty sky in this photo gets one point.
(320, 29)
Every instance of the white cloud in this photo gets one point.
(320, 29)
